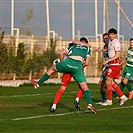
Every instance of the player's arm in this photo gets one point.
(116, 56)
(87, 61)
(81, 43)
(101, 50)
(62, 54)
(123, 62)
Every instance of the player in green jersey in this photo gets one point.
(128, 70)
(102, 81)
(73, 65)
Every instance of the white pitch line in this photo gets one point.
(29, 95)
(63, 114)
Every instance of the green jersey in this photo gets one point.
(79, 50)
(130, 57)
(105, 54)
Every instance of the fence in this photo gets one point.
(39, 44)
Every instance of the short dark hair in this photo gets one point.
(83, 39)
(112, 30)
(105, 34)
(131, 39)
(71, 44)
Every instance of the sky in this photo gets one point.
(61, 19)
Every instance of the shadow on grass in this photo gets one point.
(49, 104)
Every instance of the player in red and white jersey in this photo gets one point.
(114, 48)
(113, 72)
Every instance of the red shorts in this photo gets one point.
(66, 78)
(113, 72)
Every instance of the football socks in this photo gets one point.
(88, 96)
(58, 96)
(43, 79)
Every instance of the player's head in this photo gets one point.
(84, 39)
(106, 38)
(131, 39)
(71, 44)
(112, 33)
(112, 30)
(131, 43)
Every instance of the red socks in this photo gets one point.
(109, 91)
(58, 96)
(80, 93)
(117, 89)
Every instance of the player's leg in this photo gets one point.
(109, 92)
(102, 84)
(127, 74)
(125, 82)
(116, 87)
(112, 73)
(87, 96)
(115, 95)
(66, 78)
(45, 77)
(79, 95)
(80, 78)
(54, 68)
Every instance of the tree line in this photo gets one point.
(21, 63)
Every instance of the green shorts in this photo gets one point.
(103, 73)
(73, 67)
(127, 72)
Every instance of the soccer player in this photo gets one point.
(113, 71)
(66, 78)
(73, 65)
(102, 81)
(128, 70)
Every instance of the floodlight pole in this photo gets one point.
(132, 17)
(73, 21)
(48, 23)
(96, 19)
(118, 21)
(12, 17)
(96, 34)
(104, 16)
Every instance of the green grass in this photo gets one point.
(25, 102)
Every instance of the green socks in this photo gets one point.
(122, 86)
(115, 94)
(88, 96)
(129, 87)
(43, 79)
(103, 94)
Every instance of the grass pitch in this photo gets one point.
(25, 110)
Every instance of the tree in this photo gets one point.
(1, 41)
(49, 55)
(34, 64)
(19, 61)
(29, 16)
(11, 61)
(4, 59)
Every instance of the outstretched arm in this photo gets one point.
(62, 54)
(87, 61)
(116, 56)
(101, 50)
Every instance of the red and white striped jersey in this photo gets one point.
(113, 47)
